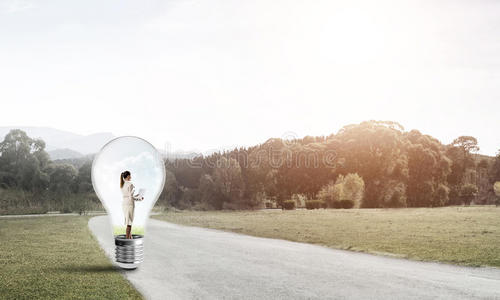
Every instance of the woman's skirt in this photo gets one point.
(128, 213)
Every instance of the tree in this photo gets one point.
(227, 175)
(467, 193)
(23, 162)
(62, 177)
(270, 184)
(467, 145)
(397, 168)
(496, 188)
(84, 179)
(171, 193)
(395, 194)
(190, 196)
(208, 191)
(496, 168)
(429, 168)
(441, 196)
(376, 151)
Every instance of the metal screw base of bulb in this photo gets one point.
(129, 253)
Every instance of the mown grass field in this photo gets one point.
(54, 258)
(459, 235)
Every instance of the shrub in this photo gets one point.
(202, 206)
(354, 188)
(346, 204)
(23, 210)
(300, 200)
(336, 204)
(330, 193)
(315, 204)
(350, 187)
(397, 199)
(467, 193)
(289, 204)
(269, 205)
(230, 206)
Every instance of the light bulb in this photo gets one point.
(147, 171)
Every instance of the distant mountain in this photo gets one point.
(179, 154)
(64, 154)
(62, 144)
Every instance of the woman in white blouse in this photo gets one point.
(128, 205)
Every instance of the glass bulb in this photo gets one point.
(147, 172)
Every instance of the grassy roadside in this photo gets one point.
(56, 257)
(459, 235)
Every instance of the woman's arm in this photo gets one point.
(132, 193)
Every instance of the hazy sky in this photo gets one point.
(208, 74)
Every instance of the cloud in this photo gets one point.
(147, 171)
(15, 6)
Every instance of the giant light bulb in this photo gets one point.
(147, 168)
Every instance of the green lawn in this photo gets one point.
(56, 257)
(459, 235)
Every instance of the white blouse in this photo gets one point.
(128, 192)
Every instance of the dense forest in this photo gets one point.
(371, 164)
(31, 183)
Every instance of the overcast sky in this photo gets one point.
(200, 75)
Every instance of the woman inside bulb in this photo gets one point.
(128, 205)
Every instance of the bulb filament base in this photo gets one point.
(129, 253)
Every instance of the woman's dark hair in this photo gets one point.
(123, 175)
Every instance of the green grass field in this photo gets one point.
(121, 230)
(54, 258)
(459, 235)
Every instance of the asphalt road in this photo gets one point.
(183, 262)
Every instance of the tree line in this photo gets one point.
(31, 183)
(372, 164)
